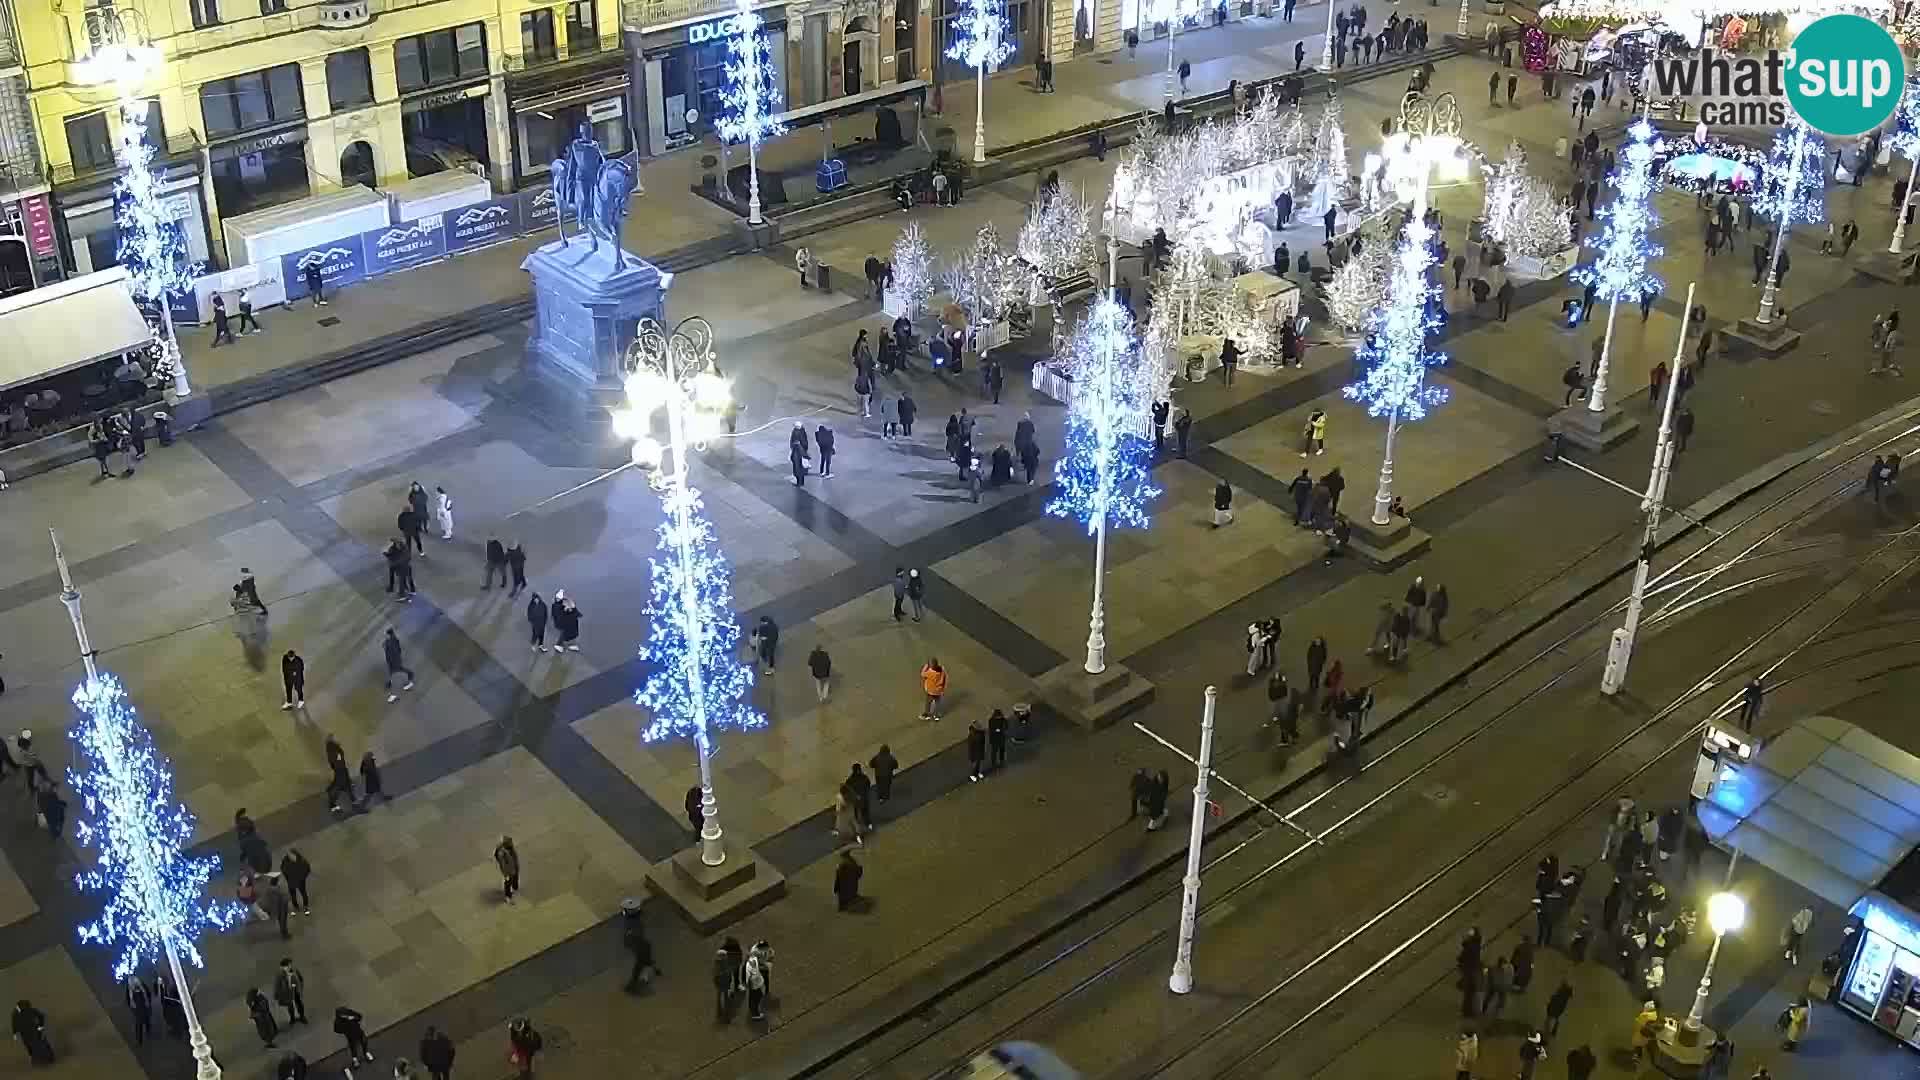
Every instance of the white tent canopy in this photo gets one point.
(1825, 805)
(59, 327)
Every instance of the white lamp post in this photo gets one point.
(1788, 207)
(1461, 30)
(1620, 646)
(1725, 913)
(1905, 140)
(1181, 980)
(752, 96)
(981, 43)
(675, 372)
(144, 877)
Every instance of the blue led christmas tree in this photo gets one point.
(1904, 140)
(1396, 356)
(154, 895)
(751, 98)
(1625, 244)
(980, 42)
(148, 242)
(1103, 480)
(1793, 189)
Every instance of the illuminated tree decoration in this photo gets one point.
(1905, 137)
(912, 271)
(1786, 197)
(751, 97)
(980, 34)
(1057, 239)
(1503, 189)
(1623, 268)
(1359, 286)
(1328, 159)
(1396, 354)
(148, 240)
(1533, 48)
(154, 893)
(1538, 225)
(695, 681)
(1104, 475)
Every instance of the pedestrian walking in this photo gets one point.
(1183, 429)
(173, 1011)
(1466, 1054)
(437, 1053)
(1793, 1024)
(496, 563)
(1186, 70)
(1222, 504)
(264, 1024)
(797, 453)
(517, 562)
(566, 619)
(370, 776)
(884, 765)
(1557, 1006)
(917, 594)
(933, 680)
(396, 665)
(222, 328)
(1794, 933)
(443, 512)
(846, 881)
(899, 592)
(754, 977)
(1513, 84)
(1437, 607)
(858, 788)
(273, 900)
(1532, 1050)
(289, 990)
(821, 667)
(766, 642)
(1316, 663)
(823, 437)
(846, 820)
(1229, 359)
(525, 1043)
(1581, 1062)
(507, 860)
(140, 1005)
(1302, 491)
(726, 976)
(976, 751)
(1314, 434)
(997, 725)
(1499, 984)
(1751, 697)
(246, 314)
(1522, 961)
(293, 678)
(1417, 600)
(537, 622)
(295, 868)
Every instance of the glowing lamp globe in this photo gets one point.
(647, 452)
(711, 391)
(1726, 913)
(647, 389)
(628, 424)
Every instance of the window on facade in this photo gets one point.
(906, 16)
(349, 79)
(583, 31)
(88, 143)
(205, 12)
(253, 100)
(272, 7)
(442, 56)
(156, 133)
(536, 36)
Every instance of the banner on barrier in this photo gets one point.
(340, 263)
(407, 244)
(482, 223)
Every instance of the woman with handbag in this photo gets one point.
(526, 1042)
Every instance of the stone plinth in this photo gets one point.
(587, 308)
(1767, 339)
(713, 897)
(1884, 265)
(1681, 1053)
(1594, 431)
(1387, 546)
(1094, 701)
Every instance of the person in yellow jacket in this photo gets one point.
(933, 680)
(1645, 1026)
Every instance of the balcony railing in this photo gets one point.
(10, 55)
(512, 63)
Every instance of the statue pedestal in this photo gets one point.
(587, 310)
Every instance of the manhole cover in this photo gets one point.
(1820, 407)
(1440, 795)
(331, 320)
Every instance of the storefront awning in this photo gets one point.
(1825, 805)
(63, 326)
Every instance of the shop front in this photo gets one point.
(29, 248)
(259, 170)
(1883, 982)
(446, 128)
(682, 72)
(548, 108)
(86, 210)
(1024, 32)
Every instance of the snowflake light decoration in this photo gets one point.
(1625, 242)
(695, 682)
(1105, 473)
(1396, 354)
(1905, 136)
(148, 241)
(1359, 286)
(155, 894)
(980, 34)
(912, 270)
(751, 97)
(1793, 189)
(1057, 239)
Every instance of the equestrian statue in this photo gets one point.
(596, 190)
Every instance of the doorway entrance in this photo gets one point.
(1083, 25)
(356, 165)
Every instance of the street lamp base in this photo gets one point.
(1683, 1052)
(1886, 266)
(1594, 431)
(1094, 701)
(1768, 338)
(713, 897)
(1387, 546)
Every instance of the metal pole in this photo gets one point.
(1789, 186)
(205, 1068)
(753, 181)
(1173, 32)
(1597, 397)
(1097, 624)
(1695, 1015)
(1113, 248)
(1181, 981)
(1620, 647)
(1900, 215)
(1326, 51)
(980, 115)
(1461, 30)
(1383, 495)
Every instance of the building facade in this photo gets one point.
(29, 251)
(261, 102)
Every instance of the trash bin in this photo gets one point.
(822, 276)
(1560, 148)
(1022, 722)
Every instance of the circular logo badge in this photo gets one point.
(1845, 75)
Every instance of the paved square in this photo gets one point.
(768, 780)
(82, 1034)
(15, 903)
(407, 904)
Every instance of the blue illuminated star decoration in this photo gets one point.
(751, 98)
(980, 34)
(148, 241)
(1625, 242)
(1788, 197)
(1395, 355)
(154, 893)
(1105, 472)
(695, 682)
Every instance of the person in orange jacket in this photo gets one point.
(933, 680)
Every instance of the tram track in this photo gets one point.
(1684, 590)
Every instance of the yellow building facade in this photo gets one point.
(261, 102)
